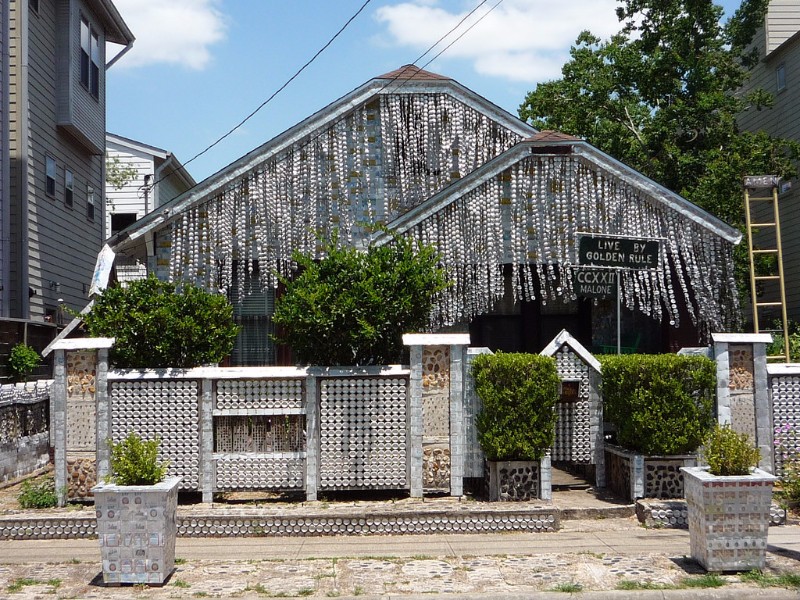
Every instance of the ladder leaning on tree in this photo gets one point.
(764, 189)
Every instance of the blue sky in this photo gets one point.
(199, 67)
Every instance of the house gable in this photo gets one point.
(354, 166)
(528, 207)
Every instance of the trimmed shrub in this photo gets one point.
(353, 307)
(134, 461)
(519, 394)
(157, 325)
(729, 453)
(660, 404)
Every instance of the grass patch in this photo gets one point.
(18, 584)
(358, 591)
(180, 583)
(629, 585)
(180, 561)
(305, 592)
(709, 580)
(569, 588)
(786, 580)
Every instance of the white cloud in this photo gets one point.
(171, 31)
(520, 40)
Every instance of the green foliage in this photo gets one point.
(729, 453)
(352, 307)
(41, 494)
(660, 404)
(117, 174)
(519, 393)
(22, 361)
(157, 325)
(776, 347)
(134, 461)
(662, 96)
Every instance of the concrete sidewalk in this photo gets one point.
(596, 556)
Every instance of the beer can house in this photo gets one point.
(539, 231)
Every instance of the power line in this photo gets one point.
(284, 86)
(387, 84)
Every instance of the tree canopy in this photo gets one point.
(663, 95)
(352, 307)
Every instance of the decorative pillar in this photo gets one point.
(80, 420)
(312, 439)
(207, 468)
(742, 388)
(437, 411)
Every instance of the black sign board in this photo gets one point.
(594, 283)
(624, 253)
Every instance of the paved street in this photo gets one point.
(592, 555)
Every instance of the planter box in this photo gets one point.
(728, 518)
(136, 526)
(519, 480)
(634, 476)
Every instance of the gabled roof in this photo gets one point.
(406, 80)
(546, 141)
(565, 339)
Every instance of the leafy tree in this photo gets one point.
(662, 96)
(22, 361)
(352, 307)
(118, 174)
(157, 325)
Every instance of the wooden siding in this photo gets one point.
(782, 22)
(129, 199)
(782, 120)
(78, 110)
(62, 244)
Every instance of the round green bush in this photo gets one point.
(157, 325)
(518, 392)
(22, 361)
(727, 452)
(660, 404)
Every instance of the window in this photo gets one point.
(780, 77)
(50, 176)
(90, 58)
(69, 187)
(120, 221)
(90, 203)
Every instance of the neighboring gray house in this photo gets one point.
(159, 178)
(53, 208)
(778, 72)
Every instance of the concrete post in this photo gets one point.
(312, 439)
(58, 423)
(207, 483)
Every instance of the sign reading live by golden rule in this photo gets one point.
(622, 253)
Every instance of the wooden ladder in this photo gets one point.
(755, 188)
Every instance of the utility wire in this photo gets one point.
(386, 85)
(285, 85)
